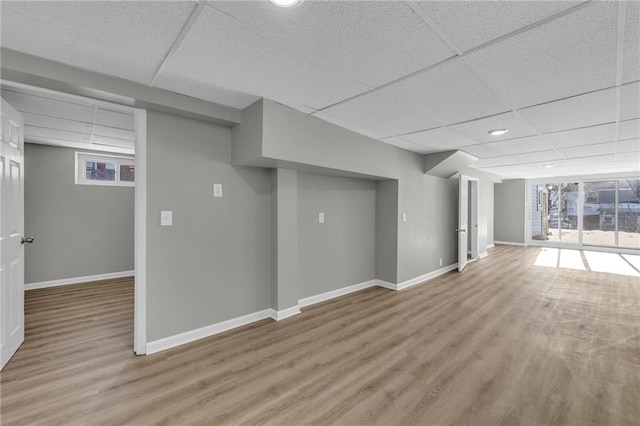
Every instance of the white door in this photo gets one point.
(11, 232)
(463, 219)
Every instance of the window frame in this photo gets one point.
(81, 159)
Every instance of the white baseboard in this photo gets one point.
(78, 280)
(509, 243)
(210, 330)
(307, 301)
(483, 254)
(490, 246)
(285, 313)
(416, 280)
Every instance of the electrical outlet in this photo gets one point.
(217, 190)
(320, 217)
(440, 261)
(404, 217)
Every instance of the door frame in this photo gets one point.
(472, 210)
(140, 211)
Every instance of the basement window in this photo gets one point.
(104, 170)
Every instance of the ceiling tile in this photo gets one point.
(348, 125)
(534, 157)
(631, 145)
(115, 119)
(479, 129)
(42, 134)
(629, 130)
(148, 27)
(482, 151)
(441, 139)
(572, 113)
(631, 55)
(448, 93)
(235, 57)
(585, 136)
(495, 162)
(381, 114)
(472, 23)
(573, 54)
(589, 150)
(521, 145)
(40, 105)
(186, 81)
(25, 33)
(112, 132)
(630, 101)
(38, 120)
(375, 42)
(410, 146)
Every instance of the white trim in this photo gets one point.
(78, 280)
(417, 280)
(509, 243)
(285, 313)
(207, 331)
(490, 246)
(307, 301)
(140, 189)
(483, 255)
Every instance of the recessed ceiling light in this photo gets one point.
(547, 166)
(285, 3)
(498, 132)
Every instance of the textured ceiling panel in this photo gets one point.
(534, 157)
(235, 57)
(631, 145)
(48, 107)
(568, 56)
(381, 114)
(442, 139)
(410, 146)
(26, 33)
(482, 151)
(630, 101)
(39, 133)
(586, 136)
(48, 122)
(589, 150)
(176, 78)
(572, 113)
(479, 129)
(115, 119)
(472, 23)
(629, 130)
(374, 42)
(148, 27)
(522, 145)
(449, 93)
(631, 61)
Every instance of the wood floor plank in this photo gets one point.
(504, 342)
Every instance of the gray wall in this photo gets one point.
(341, 251)
(214, 263)
(80, 230)
(509, 211)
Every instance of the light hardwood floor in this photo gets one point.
(504, 342)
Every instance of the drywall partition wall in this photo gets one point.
(296, 140)
(338, 250)
(509, 211)
(387, 230)
(214, 263)
(79, 230)
(284, 237)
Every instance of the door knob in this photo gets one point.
(27, 240)
(460, 230)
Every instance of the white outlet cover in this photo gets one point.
(166, 218)
(320, 217)
(217, 190)
(404, 217)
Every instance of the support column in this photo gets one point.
(284, 240)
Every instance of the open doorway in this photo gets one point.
(80, 190)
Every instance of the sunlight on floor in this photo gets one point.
(611, 263)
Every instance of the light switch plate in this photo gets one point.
(217, 190)
(166, 218)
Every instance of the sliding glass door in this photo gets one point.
(595, 213)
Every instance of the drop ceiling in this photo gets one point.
(427, 76)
